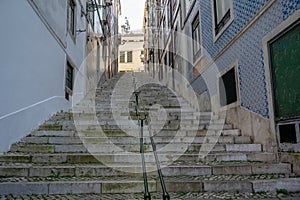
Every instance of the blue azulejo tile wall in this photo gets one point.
(247, 49)
(289, 6)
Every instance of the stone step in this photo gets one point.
(215, 132)
(106, 148)
(158, 139)
(153, 122)
(76, 186)
(121, 169)
(57, 127)
(156, 128)
(124, 101)
(84, 158)
(54, 133)
(167, 126)
(243, 184)
(120, 99)
(236, 183)
(96, 131)
(170, 111)
(107, 116)
(229, 157)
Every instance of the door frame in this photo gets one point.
(281, 28)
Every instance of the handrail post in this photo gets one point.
(136, 93)
(141, 119)
(166, 195)
(147, 195)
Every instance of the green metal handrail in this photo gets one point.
(144, 117)
(141, 119)
(166, 196)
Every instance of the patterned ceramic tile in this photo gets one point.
(247, 49)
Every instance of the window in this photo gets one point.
(164, 29)
(166, 60)
(129, 56)
(174, 4)
(92, 16)
(69, 80)
(227, 88)
(122, 57)
(288, 133)
(175, 40)
(171, 58)
(196, 34)
(222, 13)
(169, 9)
(72, 18)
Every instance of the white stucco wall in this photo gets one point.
(32, 66)
(54, 11)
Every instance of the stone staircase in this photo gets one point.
(95, 149)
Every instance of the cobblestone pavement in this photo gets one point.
(174, 196)
(179, 178)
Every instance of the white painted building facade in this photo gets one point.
(131, 52)
(43, 46)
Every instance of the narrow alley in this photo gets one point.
(152, 99)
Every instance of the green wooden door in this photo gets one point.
(285, 61)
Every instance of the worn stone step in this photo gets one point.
(15, 158)
(154, 121)
(218, 156)
(226, 147)
(107, 116)
(121, 169)
(190, 156)
(219, 127)
(31, 148)
(170, 111)
(76, 186)
(83, 158)
(217, 132)
(154, 128)
(237, 183)
(158, 139)
(228, 157)
(287, 184)
(106, 147)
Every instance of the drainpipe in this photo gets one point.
(172, 46)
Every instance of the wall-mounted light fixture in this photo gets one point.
(81, 31)
(91, 7)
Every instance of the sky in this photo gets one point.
(134, 11)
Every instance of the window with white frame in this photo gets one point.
(222, 14)
(175, 40)
(126, 57)
(122, 57)
(129, 56)
(196, 34)
(72, 18)
(228, 88)
(69, 80)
